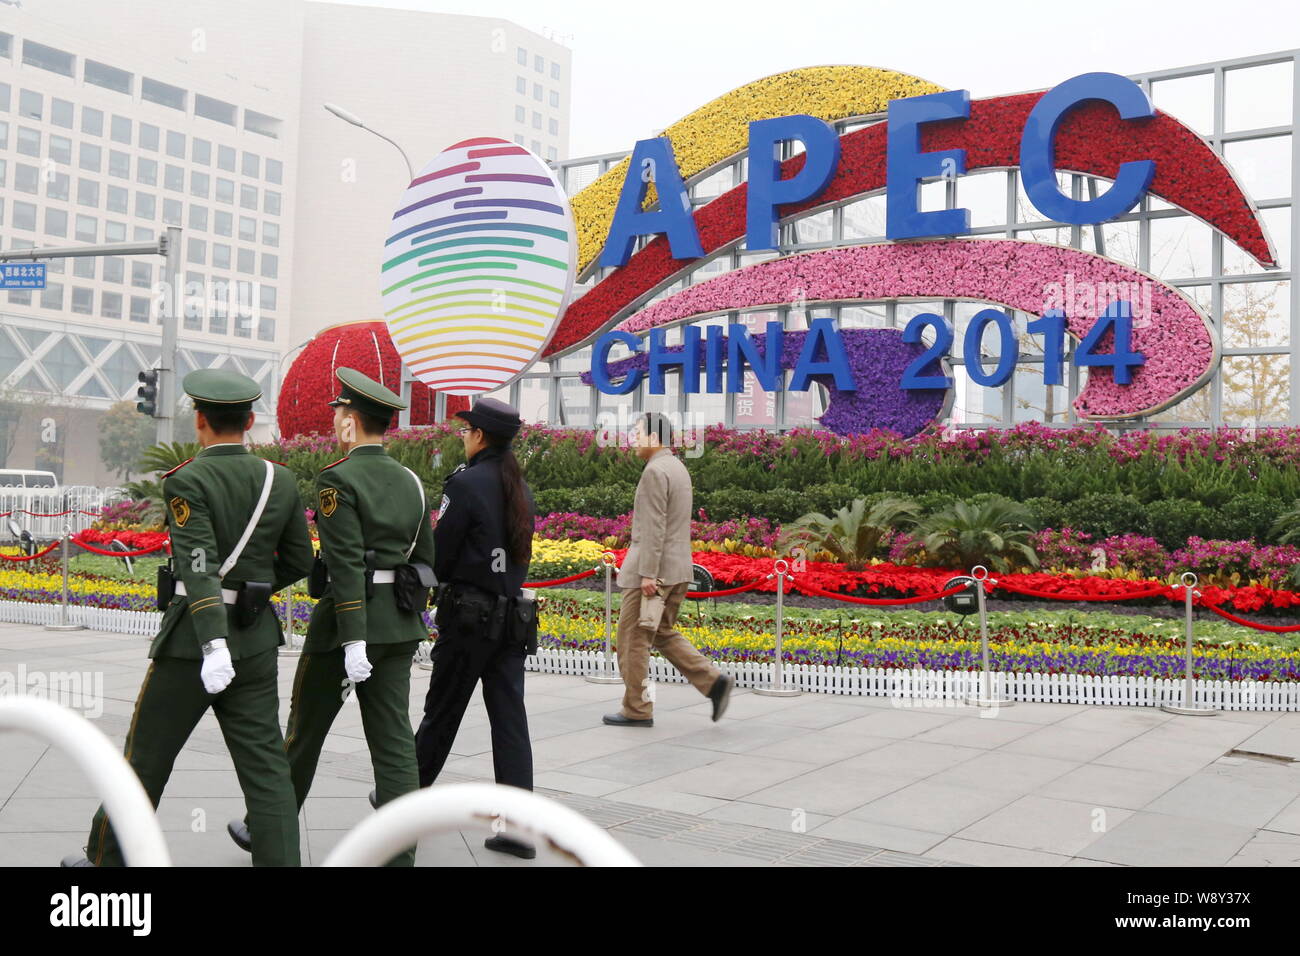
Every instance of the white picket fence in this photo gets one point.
(911, 688)
(74, 498)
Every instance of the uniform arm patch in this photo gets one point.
(329, 501)
(180, 509)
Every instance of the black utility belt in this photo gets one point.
(412, 583)
(473, 610)
(249, 600)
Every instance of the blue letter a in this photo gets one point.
(652, 162)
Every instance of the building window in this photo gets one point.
(215, 110)
(52, 296)
(61, 113)
(24, 216)
(83, 267)
(217, 317)
(149, 137)
(248, 197)
(83, 301)
(91, 157)
(520, 114)
(553, 126)
(193, 312)
(146, 171)
(271, 202)
(119, 164)
(555, 98)
(109, 77)
(201, 151)
(220, 255)
(271, 234)
(118, 200)
(87, 228)
(141, 234)
(555, 70)
(139, 308)
(247, 229)
(521, 85)
(119, 130)
(521, 55)
(175, 144)
(199, 218)
(7, 45)
(174, 178)
(223, 223)
(537, 120)
(87, 192)
(267, 297)
(114, 231)
(539, 64)
(171, 215)
(48, 58)
(200, 184)
(4, 97)
(225, 190)
(56, 222)
(519, 139)
(164, 94)
(31, 105)
(29, 141)
(270, 266)
(266, 329)
(141, 274)
(252, 166)
(537, 147)
(550, 153)
(537, 92)
(114, 269)
(226, 158)
(4, 135)
(261, 124)
(244, 261)
(92, 122)
(110, 305)
(197, 251)
(274, 171)
(146, 205)
(27, 179)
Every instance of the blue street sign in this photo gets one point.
(22, 275)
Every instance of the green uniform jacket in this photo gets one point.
(367, 501)
(209, 500)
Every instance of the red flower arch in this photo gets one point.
(364, 346)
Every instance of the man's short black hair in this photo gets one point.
(223, 419)
(373, 424)
(658, 425)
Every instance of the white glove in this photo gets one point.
(355, 661)
(218, 670)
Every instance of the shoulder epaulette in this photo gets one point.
(333, 463)
(168, 474)
(274, 462)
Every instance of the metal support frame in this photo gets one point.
(607, 672)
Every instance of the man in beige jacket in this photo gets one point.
(658, 562)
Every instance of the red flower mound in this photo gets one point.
(365, 346)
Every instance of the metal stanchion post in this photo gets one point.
(65, 621)
(986, 697)
(1189, 707)
(290, 647)
(607, 673)
(778, 686)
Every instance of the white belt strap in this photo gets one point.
(424, 516)
(228, 595)
(231, 561)
(381, 576)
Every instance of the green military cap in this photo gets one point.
(217, 386)
(365, 394)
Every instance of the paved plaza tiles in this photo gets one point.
(806, 781)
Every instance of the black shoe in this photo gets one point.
(720, 694)
(502, 844)
(76, 859)
(374, 799)
(618, 720)
(238, 831)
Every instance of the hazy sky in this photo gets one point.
(638, 66)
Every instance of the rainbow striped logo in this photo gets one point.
(479, 266)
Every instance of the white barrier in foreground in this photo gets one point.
(397, 825)
(110, 775)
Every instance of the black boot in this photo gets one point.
(238, 831)
(504, 844)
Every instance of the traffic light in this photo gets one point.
(147, 393)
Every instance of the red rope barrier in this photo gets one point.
(29, 557)
(559, 581)
(1272, 628)
(877, 602)
(707, 594)
(118, 554)
(1160, 591)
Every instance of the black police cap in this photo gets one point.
(494, 417)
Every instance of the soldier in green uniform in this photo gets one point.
(238, 533)
(376, 541)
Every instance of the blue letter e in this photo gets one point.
(906, 165)
(652, 162)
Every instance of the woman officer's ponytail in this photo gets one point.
(519, 512)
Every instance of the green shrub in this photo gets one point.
(1047, 512)
(1248, 516)
(994, 533)
(1102, 515)
(853, 534)
(1173, 522)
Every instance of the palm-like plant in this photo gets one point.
(994, 533)
(852, 534)
(159, 459)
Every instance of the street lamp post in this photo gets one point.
(347, 117)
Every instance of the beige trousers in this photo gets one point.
(634, 643)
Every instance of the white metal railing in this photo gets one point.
(48, 501)
(111, 777)
(401, 823)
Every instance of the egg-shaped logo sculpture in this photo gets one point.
(478, 266)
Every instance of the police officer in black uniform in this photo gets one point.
(486, 626)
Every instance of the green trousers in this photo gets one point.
(170, 704)
(319, 688)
